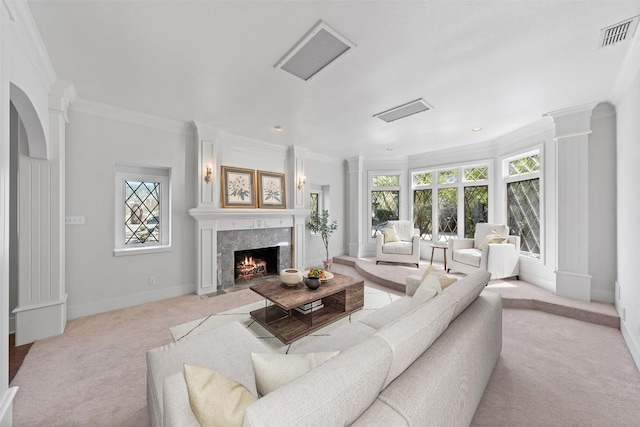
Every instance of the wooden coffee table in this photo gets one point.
(341, 296)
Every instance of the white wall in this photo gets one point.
(98, 137)
(628, 210)
(602, 203)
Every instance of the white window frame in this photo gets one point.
(538, 149)
(370, 188)
(323, 192)
(459, 184)
(146, 174)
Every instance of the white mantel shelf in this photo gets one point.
(204, 214)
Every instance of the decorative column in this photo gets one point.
(208, 191)
(209, 160)
(42, 300)
(573, 127)
(296, 159)
(355, 197)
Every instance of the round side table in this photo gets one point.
(444, 248)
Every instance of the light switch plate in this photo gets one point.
(74, 220)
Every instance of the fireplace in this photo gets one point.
(253, 263)
(231, 242)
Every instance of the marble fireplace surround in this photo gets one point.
(222, 231)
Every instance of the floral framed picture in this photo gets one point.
(238, 187)
(271, 190)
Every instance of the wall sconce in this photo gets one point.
(301, 182)
(208, 174)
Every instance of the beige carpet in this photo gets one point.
(553, 371)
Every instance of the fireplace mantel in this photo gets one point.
(209, 221)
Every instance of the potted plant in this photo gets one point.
(321, 224)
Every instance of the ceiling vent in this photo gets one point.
(317, 49)
(408, 109)
(618, 32)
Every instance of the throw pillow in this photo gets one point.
(445, 280)
(492, 237)
(428, 289)
(273, 370)
(390, 234)
(215, 399)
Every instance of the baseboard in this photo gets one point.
(602, 295)
(633, 346)
(6, 403)
(101, 306)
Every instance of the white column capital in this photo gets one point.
(61, 94)
(573, 121)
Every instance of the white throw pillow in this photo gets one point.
(273, 370)
(216, 400)
(429, 288)
(390, 234)
(492, 237)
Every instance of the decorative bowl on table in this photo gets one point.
(317, 273)
(291, 276)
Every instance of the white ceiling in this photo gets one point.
(499, 65)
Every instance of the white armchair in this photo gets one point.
(405, 250)
(499, 255)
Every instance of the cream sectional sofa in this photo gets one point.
(398, 366)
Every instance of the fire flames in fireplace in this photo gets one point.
(249, 266)
(255, 263)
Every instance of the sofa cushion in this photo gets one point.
(225, 349)
(390, 235)
(468, 256)
(413, 333)
(428, 289)
(336, 393)
(404, 229)
(273, 370)
(453, 373)
(467, 289)
(216, 401)
(398, 248)
(342, 339)
(387, 314)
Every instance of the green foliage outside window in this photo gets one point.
(448, 177)
(385, 181)
(423, 178)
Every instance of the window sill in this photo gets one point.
(142, 250)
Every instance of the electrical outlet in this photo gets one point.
(152, 280)
(74, 220)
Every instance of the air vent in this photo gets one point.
(618, 33)
(319, 48)
(408, 109)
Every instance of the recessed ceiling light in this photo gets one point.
(476, 129)
(278, 128)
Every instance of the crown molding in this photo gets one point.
(628, 71)
(29, 37)
(205, 131)
(61, 94)
(94, 108)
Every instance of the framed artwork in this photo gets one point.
(271, 190)
(238, 187)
